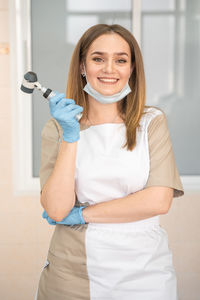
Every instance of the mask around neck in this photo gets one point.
(107, 99)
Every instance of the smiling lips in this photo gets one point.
(107, 80)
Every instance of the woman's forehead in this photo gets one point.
(109, 43)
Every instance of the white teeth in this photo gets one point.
(108, 80)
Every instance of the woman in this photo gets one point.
(106, 179)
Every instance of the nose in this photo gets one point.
(109, 66)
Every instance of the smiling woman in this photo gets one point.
(108, 180)
(107, 70)
(109, 53)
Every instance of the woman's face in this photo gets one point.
(108, 64)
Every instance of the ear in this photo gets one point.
(82, 68)
(132, 68)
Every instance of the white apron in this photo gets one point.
(129, 260)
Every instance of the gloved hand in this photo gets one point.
(64, 111)
(74, 217)
(49, 220)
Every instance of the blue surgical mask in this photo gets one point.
(107, 99)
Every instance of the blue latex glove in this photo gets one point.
(49, 220)
(64, 111)
(74, 217)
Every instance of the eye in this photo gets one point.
(121, 61)
(97, 59)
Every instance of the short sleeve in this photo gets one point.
(163, 169)
(49, 149)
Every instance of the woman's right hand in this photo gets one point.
(64, 111)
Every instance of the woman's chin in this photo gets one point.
(107, 92)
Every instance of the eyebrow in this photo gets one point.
(102, 53)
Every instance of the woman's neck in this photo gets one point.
(99, 113)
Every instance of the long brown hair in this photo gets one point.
(131, 108)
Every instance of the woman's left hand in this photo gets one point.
(74, 217)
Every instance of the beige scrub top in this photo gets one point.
(118, 261)
(163, 170)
